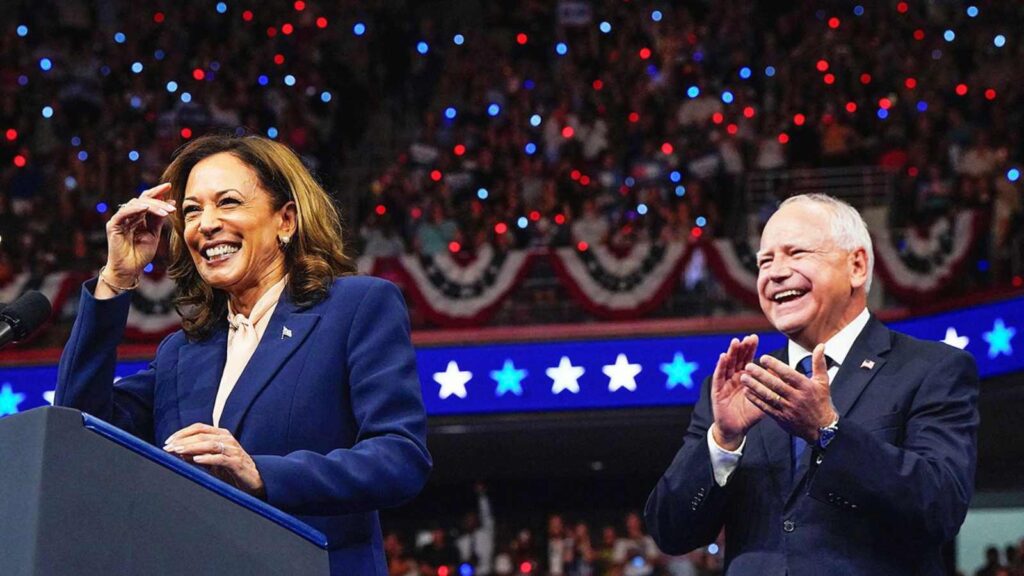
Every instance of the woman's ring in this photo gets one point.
(220, 447)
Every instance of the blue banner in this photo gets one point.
(601, 373)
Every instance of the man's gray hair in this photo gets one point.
(849, 231)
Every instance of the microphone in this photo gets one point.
(23, 316)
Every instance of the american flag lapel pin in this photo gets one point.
(867, 364)
(285, 333)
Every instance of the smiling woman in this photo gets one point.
(292, 379)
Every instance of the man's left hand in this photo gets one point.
(801, 405)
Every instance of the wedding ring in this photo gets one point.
(220, 447)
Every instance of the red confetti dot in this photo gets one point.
(459, 150)
(585, 180)
(634, 117)
(645, 53)
(884, 103)
(749, 112)
(833, 22)
(158, 17)
(271, 32)
(435, 175)
(918, 34)
(783, 138)
(321, 22)
(500, 228)
(299, 5)
(247, 15)
(696, 232)
(559, 219)
(865, 78)
(534, 215)
(278, 59)
(416, 212)
(381, 210)
(961, 89)
(443, 570)
(822, 65)
(902, 7)
(198, 74)
(829, 78)
(851, 107)
(567, 132)
(575, 175)
(799, 119)
(453, 247)
(717, 118)
(598, 84)
(666, 148)
(990, 94)
(912, 171)
(910, 83)
(186, 133)
(582, 246)
(20, 161)
(732, 129)
(287, 29)
(525, 568)
(1018, 281)
(11, 134)
(522, 38)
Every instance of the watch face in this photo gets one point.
(825, 436)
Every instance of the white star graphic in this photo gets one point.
(48, 396)
(954, 339)
(622, 374)
(565, 376)
(452, 381)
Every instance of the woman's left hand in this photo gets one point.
(217, 449)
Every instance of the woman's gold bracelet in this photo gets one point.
(117, 289)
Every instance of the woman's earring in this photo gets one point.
(283, 241)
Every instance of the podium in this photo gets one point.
(79, 496)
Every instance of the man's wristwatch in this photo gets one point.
(827, 433)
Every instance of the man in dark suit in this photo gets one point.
(851, 450)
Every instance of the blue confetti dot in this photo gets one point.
(172, 86)
(680, 191)
(22, 80)
(712, 548)
(883, 113)
(482, 193)
(289, 80)
(22, 30)
(652, 70)
(47, 112)
(70, 183)
(83, 155)
(133, 156)
(105, 70)
(186, 97)
(45, 64)
(135, 102)
(641, 209)
(263, 80)
(76, 141)
(535, 120)
(529, 84)
(675, 176)
(159, 54)
(561, 49)
(744, 72)
(693, 91)
(450, 113)
(148, 268)
(530, 148)
(982, 265)
(949, 35)
(422, 47)
(272, 132)
(1013, 174)
(972, 11)
(858, 10)
(493, 110)
(459, 40)
(119, 37)
(769, 71)
(629, 181)
(325, 96)
(359, 28)
(466, 569)
(727, 97)
(101, 207)
(605, 27)
(698, 56)
(999, 41)
(522, 222)
(137, 67)
(701, 221)
(656, 15)
(214, 65)
(222, 7)
(922, 106)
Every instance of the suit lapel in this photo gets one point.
(287, 330)
(200, 365)
(776, 444)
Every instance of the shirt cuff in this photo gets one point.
(723, 462)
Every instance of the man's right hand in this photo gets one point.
(734, 413)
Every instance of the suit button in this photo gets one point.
(788, 526)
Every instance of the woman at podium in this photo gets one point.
(291, 378)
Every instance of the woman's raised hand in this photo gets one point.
(133, 234)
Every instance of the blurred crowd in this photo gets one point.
(514, 124)
(1009, 563)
